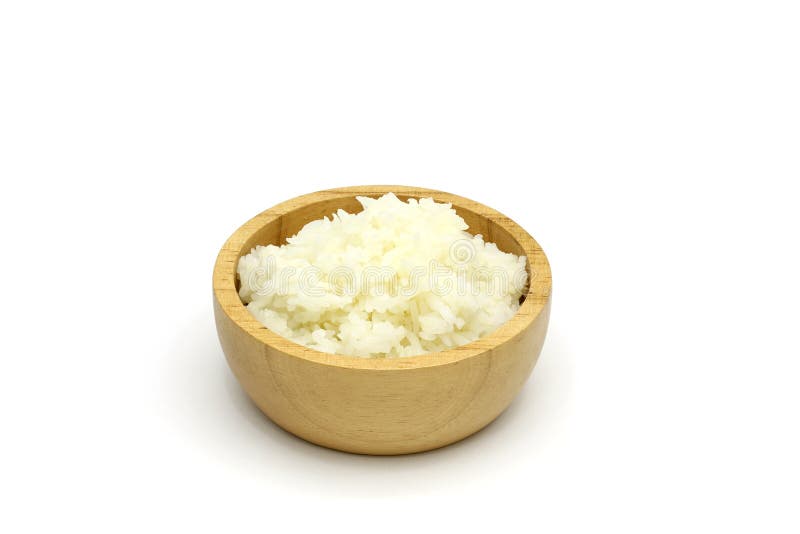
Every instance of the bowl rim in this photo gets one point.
(536, 298)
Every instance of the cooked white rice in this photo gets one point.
(397, 279)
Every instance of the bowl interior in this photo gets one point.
(277, 224)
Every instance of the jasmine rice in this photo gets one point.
(396, 279)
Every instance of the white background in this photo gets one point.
(651, 147)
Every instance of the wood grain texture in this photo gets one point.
(384, 405)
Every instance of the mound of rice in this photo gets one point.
(396, 279)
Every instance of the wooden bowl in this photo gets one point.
(386, 405)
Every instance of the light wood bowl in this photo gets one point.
(385, 405)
